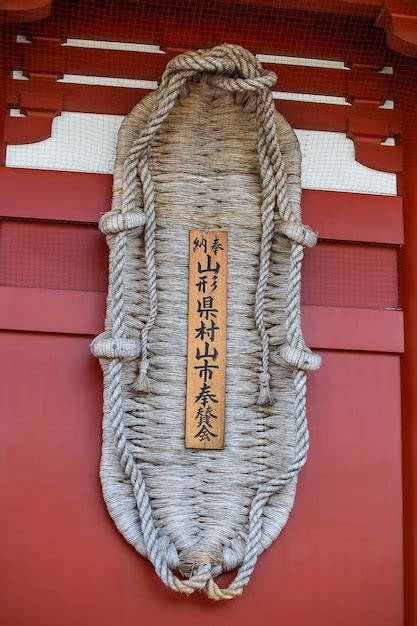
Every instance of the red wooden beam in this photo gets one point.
(82, 313)
(30, 10)
(366, 124)
(4, 40)
(409, 361)
(72, 196)
(399, 20)
(48, 56)
(359, 8)
(194, 26)
(24, 10)
(120, 101)
(396, 17)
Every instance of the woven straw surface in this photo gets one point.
(205, 167)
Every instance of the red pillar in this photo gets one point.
(408, 187)
(4, 39)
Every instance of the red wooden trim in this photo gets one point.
(73, 196)
(82, 313)
(359, 82)
(182, 28)
(5, 40)
(360, 8)
(42, 98)
(399, 19)
(24, 10)
(52, 310)
(354, 216)
(408, 79)
(367, 330)
(54, 195)
(121, 100)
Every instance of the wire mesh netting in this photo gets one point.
(72, 74)
(88, 63)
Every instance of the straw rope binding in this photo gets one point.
(150, 214)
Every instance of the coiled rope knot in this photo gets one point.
(105, 346)
(265, 395)
(265, 80)
(198, 62)
(197, 581)
(228, 67)
(299, 233)
(300, 358)
(114, 222)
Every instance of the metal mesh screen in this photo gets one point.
(85, 65)
(74, 69)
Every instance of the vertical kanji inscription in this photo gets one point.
(206, 355)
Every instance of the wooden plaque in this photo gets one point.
(206, 355)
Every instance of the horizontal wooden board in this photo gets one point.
(55, 195)
(83, 312)
(354, 275)
(49, 56)
(121, 100)
(48, 255)
(178, 27)
(343, 540)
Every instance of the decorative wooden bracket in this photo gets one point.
(399, 20)
(24, 10)
(370, 151)
(368, 127)
(39, 109)
(43, 97)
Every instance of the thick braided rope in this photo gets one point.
(126, 459)
(154, 550)
(252, 547)
(227, 60)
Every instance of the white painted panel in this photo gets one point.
(303, 61)
(80, 142)
(133, 83)
(389, 141)
(84, 142)
(16, 113)
(388, 104)
(18, 75)
(310, 97)
(22, 39)
(329, 163)
(113, 45)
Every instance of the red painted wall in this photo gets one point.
(339, 560)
